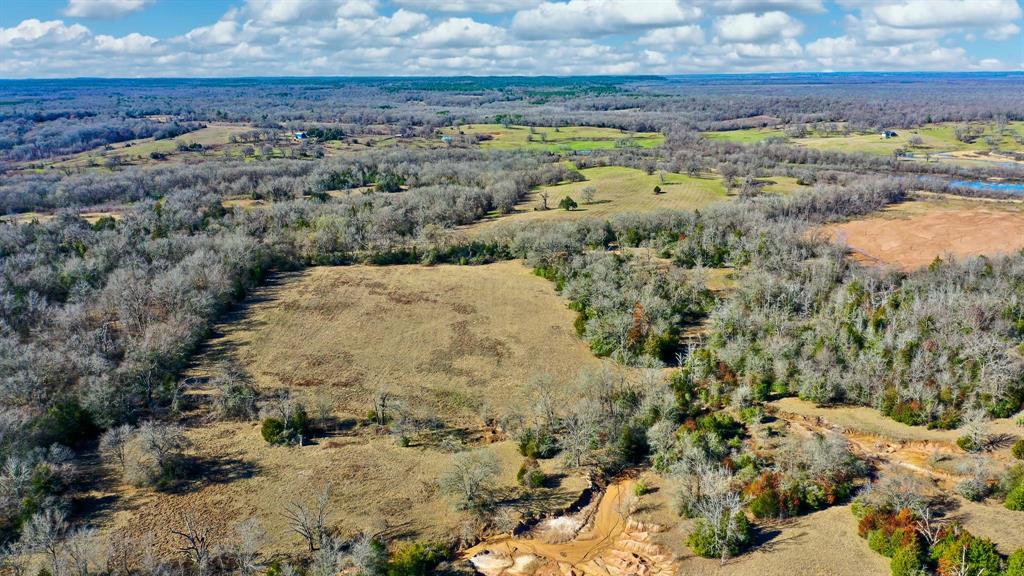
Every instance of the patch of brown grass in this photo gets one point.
(447, 340)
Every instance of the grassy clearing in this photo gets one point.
(451, 342)
(792, 546)
(551, 139)
(746, 135)
(782, 185)
(447, 338)
(619, 190)
(912, 234)
(214, 135)
(936, 138)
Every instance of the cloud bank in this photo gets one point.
(421, 37)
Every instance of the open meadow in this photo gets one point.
(453, 346)
(617, 190)
(554, 139)
(931, 139)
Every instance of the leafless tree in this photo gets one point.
(196, 541)
(540, 394)
(114, 443)
(384, 403)
(80, 548)
(579, 435)
(975, 427)
(249, 538)
(470, 479)
(368, 555)
(309, 521)
(587, 194)
(44, 533)
(927, 522)
(328, 557)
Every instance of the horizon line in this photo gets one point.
(472, 76)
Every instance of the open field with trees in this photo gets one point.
(928, 139)
(609, 190)
(366, 350)
(552, 138)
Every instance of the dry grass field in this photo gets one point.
(214, 136)
(911, 235)
(823, 543)
(449, 341)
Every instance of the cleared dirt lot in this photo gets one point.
(911, 235)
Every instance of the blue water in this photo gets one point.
(994, 186)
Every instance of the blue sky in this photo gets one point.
(131, 38)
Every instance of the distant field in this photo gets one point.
(911, 235)
(936, 138)
(212, 136)
(451, 342)
(620, 189)
(746, 135)
(555, 139)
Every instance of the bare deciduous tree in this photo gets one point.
(368, 555)
(245, 550)
(44, 533)
(114, 443)
(309, 521)
(579, 433)
(196, 544)
(470, 479)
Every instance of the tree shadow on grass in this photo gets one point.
(767, 539)
(199, 471)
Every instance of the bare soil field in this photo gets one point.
(651, 540)
(911, 235)
(450, 342)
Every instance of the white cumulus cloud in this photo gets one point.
(133, 43)
(104, 9)
(33, 32)
(675, 36)
(945, 13)
(461, 32)
(589, 18)
(751, 27)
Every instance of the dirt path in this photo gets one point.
(609, 544)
